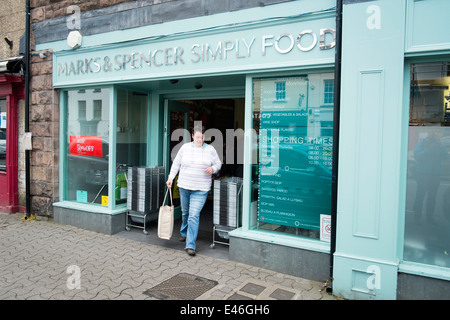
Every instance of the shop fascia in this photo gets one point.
(222, 50)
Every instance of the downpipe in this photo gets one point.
(335, 153)
(27, 107)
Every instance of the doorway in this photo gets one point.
(12, 193)
(223, 120)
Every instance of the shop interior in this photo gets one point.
(220, 115)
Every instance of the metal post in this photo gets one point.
(27, 106)
(336, 116)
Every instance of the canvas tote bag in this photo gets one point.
(165, 218)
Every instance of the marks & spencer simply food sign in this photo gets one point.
(285, 45)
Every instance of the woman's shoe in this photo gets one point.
(190, 251)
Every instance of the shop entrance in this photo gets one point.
(223, 120)
(11, 95)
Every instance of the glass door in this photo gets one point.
(131, 137)
(176, 124)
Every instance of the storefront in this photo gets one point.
(265, 89)
(11, 97)
(391, 242)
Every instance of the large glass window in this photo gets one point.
(2, 134)
(427, 225)
(88, 145)
(292, 154)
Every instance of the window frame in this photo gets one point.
(328, 94)
(406, 266)
(246, 231)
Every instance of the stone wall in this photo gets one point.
(50, 23)
(44, 125)
(12, 26)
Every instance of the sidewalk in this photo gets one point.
(42, 260)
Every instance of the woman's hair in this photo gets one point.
(200, 129)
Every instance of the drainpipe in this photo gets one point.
(27, 106)
(336, 116)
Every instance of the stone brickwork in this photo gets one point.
(49, 9)
(12, 26)
(49, 21)
(114, 267)
(44, 125)
(44, 107)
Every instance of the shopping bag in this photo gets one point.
(165, 218)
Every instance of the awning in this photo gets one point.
(11, 65)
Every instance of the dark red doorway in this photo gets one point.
(11, 91)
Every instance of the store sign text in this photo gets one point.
(86, 146)
(240, 48)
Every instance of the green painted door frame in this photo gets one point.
(178, 107)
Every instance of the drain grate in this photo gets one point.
(183, 286)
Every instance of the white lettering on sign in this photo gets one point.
(222, 50)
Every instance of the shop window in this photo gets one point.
(97, 109)
(328, 91)
(81, 110)
(326, 128)
(280, 91)
(131, 146)
(3, 134)
(291, 168)
(88, 145)
(427, 237)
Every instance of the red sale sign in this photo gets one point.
(86, 146)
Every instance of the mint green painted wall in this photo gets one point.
(366, 257)
(377, 38)
(112, 149)
(156, 129)
(427, 26)
(62, 142)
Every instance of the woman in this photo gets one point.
(195, 162)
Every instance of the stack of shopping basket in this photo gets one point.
(227, 206)
(145, 193)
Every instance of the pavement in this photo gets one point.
(43, 260)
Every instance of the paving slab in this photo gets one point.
(43, 260)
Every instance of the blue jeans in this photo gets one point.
(192, 202)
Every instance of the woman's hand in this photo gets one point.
(169, 183)
(209, 170)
